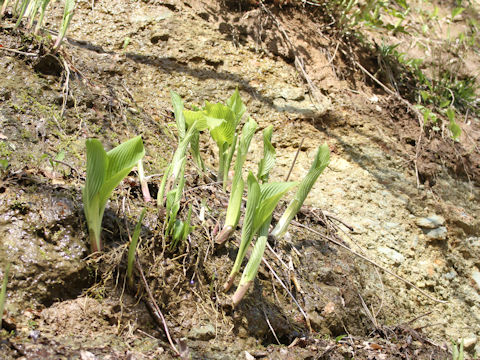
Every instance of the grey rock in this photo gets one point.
(431, 222)
(476, 277)
(469, 342)
(205, 332)
(393, 255)
(436, 234)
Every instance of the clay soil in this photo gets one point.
(111, 80)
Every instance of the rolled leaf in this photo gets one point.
(268, 161)
(248, 227)
(319, 164)
(235, 202)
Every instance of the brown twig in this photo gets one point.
(294, 160)
(18, 52)
(157, 312)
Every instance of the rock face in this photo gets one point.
(41, 239)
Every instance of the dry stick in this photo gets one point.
(19, 52)
(370, 261)
(270, 326)
(307, 320)
(294, 159)
(157, 311)
(65, 88)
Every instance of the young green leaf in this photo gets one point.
(104, 172)
(251, 269)
(319, 164)
(235, 202)
(178, 111)
(67, 17)
(133, 247)
(248, 230)
(268, 161)
(235, 103)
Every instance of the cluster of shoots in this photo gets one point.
(106, 169)
(33, 11)
(222, 121)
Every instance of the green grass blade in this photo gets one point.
(3, 292)
(133, 247)
(43, 8)
(319, 164)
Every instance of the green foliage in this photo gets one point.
(261, 202)
(221, 121)
(457, 351)
(36, 9)
(104, 172)
(235, 202)
(67, 17)
(3, 292)
(319, 164)
(132, 249)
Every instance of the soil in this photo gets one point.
(385, 177)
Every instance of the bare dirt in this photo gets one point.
(383, 178)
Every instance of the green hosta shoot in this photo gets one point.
(143, 182)
(319, 164)
(172, 172)
(133, 248)
(3, 292)
(268, 161)
(181, 230)
(67, 17)
(43, 7)
(21, 13)
(253, 264)
(235, 202)
(221, 121)
(261, 202)
(105, 170)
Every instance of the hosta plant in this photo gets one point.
(319, 164)
(238, 184)
(221, 121)
(105, 170)
(261, 202)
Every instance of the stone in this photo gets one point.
(476, 278)
(157, 37)
(431, 222)
(436, 234)
(393, 255)
(205, 332)
(469, 342)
